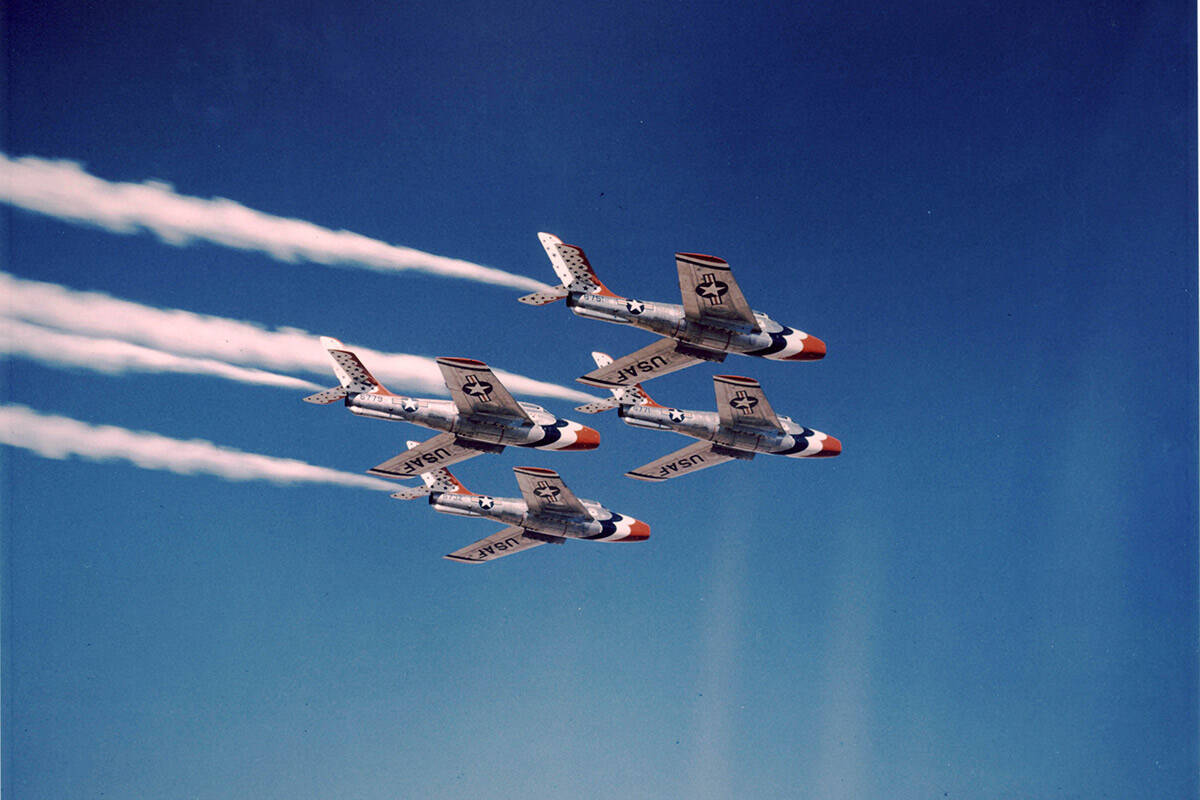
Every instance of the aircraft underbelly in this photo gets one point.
(509, 516)
(491, 432)
(373, 413)
(378, 408)
(698, 429)
(747, 342)
(498, 509)
(740, 440)
(706, 337)
(544, 523)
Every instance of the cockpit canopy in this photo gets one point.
(767, 324)
(538, 414)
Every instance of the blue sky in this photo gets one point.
(987, 212)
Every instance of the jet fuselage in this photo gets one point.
(796, 441)
(547, 431)
(774, 341)
(600, 525)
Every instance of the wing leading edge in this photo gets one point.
(692, 458)
(512, 539)
(660, 358)
(440, 451)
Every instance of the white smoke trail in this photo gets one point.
(234, 341)
(115, 357)
(58, 437)
(62, 189)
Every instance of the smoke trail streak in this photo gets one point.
(62, 189)
(58, 437)
(202, 336)
(116, 357)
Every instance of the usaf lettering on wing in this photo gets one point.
(649, 365)
(434, 457)
(497, 547)
(681, 464)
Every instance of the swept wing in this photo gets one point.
(545, 492)
(710, 294)
(660, 358)
(692, 458)
(741, 403)
(476, 390)
(440, 451)
(511, 540)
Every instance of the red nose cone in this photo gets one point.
(585, 439)
(814, 349)
(830, 447)
(638, 532)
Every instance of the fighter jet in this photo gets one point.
(713, 320)
(481, 417)
(742, 425)
(546, 513)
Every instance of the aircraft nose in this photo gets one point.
(814, 349)
(830, 446)
(585, 439)
(638, 532)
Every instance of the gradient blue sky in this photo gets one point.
(988, 212)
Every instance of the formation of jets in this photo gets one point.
(483, 417)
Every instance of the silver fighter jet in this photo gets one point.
(714, 319)
(547, 512)
(742, 425)
(480, 417)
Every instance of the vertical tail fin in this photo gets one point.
(350, 371)
(572, 267)
(633, 395)
(441, 480)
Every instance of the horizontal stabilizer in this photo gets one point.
(598, 406)
(412, 493)
(327, 396)
(543, 298)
